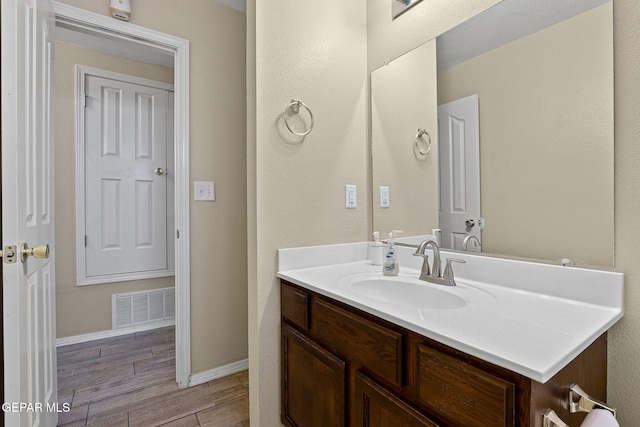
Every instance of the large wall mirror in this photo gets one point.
(517, 103)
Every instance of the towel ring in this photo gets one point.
(422, 132)
(295, 108)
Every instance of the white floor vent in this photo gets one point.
(137, 308)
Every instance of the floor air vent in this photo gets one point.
(137, 308)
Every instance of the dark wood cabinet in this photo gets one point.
(342, 366)
(313, 381)
(462, 393)
(377, 407)
(359, 340)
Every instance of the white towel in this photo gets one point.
(600, 418)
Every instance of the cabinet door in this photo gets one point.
(313, 383)
(377, 407)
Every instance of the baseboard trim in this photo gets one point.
(222, 371)
(61, 342)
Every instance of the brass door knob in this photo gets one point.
(39, 251)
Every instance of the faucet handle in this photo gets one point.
(448, 270)
(425, 271)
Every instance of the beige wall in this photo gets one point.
(218, 153)
(316, 52)
(282, 62)
(84, 309)
(624, 338)
(546, 139)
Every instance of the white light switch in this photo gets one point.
(384, 196)
(204, 191)
(351, 200)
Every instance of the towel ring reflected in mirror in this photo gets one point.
(423, 145)
(295, 109)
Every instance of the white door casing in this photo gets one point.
(27, 214)
(459, 143)
(123, 226)
(83, 20)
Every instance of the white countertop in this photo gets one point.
(505, 320)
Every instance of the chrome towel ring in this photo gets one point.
(295, 108)
(418, 143)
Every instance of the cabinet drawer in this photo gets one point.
(360, 340)
(463, 394)
(295, 305)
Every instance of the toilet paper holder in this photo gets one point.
(579, 401)
(551, 419)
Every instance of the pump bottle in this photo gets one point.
(390, 266)
(376, 249)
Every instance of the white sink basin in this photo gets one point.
(404, 290)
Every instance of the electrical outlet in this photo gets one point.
(204, 191)
(384, 196)
(351, 193)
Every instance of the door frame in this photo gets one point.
(101, 24)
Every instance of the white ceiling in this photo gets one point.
(114, 46)
(506, 21)
(240, 5)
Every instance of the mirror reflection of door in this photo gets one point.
(459, 157)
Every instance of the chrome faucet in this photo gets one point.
(470, 237)
(433, 275)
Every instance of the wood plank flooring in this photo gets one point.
(130, 381)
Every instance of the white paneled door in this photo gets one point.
(125, 177)
(459, 151)
(27, 215)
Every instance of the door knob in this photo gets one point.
(159, 171)
(469, 223)
(40, 251)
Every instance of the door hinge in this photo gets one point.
(177, 234)
(84, 102)
(85, 240)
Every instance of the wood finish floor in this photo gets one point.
(130, 381)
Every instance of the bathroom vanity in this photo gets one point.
(354, 354)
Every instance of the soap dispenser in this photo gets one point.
(390, 265)
(376, 249)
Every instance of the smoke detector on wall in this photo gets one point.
(121, 9)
